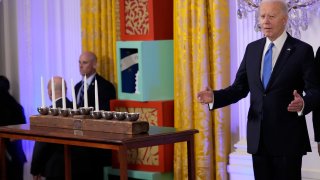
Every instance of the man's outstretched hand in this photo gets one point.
(297, 103)
(205, 96)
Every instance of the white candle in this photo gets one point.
(63, 90)
(43, 102)
(53, 96)
(85, 92)
(96, 95)
(74, 100)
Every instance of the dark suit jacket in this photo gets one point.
(106, 92)
(316, 113)
(48, 158)
(96, 158)
(269, 122)
(12, 113)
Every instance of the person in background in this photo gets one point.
(48, 158)
(275, 70)
(316, 113)
(12, 113)
(87, 66)
(97, 158)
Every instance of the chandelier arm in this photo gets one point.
(303, 5)
(252, 4)
(295, 6)
(298, 10)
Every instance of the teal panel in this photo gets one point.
(155, 70)
(145, 175)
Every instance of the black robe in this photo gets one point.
(12, 113)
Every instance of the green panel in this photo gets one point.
(155, 77)
(145, 175)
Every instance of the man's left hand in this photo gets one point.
(297, 103)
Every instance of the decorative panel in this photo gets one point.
(157, 113)
(145, 70)
(146, 19)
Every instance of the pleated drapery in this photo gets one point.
(201, 58)
(98, 31)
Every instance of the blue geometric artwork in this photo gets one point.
(129, 69)
(145, 70)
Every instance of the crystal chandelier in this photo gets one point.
(300, 13)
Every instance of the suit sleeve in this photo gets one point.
(311, 80)
(316, 113)
(109, 93)
(238, 90)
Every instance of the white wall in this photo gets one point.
(38, 38)
(311, 162)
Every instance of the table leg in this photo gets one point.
(3, 173)
(191, 163)
(122, 156)
(67, 162)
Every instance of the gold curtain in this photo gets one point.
(98, 26)
(201, 58)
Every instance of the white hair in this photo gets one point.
(284, 5)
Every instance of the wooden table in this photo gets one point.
(114, 141)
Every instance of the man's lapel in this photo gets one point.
(282, 60)
(256, 65)
(91, 86)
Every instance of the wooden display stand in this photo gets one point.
(84, 123)
(157, 113)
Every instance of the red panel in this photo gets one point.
(157, 113)
(146, 20)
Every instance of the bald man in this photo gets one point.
(87, 66)
(96, 158)
(48, 158)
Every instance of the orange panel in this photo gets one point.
(146, 20)
(157, 113)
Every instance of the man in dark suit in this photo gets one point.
(87, 66)
(97, 158)
(12, 113)
(275, 70)
(48, 158)
(316, 113)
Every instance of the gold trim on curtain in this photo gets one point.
(201, 58)
(98, 26)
